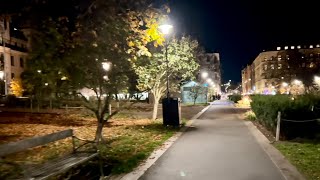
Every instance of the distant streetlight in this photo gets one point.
(317, 78)
(39, 71)
(209, 80)
(106, 66)
(284, 84)
(204, 75)
(46, 84)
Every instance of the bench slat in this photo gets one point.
(14, 147)
(57, 167)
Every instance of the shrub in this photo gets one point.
(292, 108)
(234, 97)
(250, 116)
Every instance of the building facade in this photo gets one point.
(274, 70)
(210, 63)
(13, 53)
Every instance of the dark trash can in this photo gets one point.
(170, 111)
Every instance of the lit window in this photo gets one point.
(299, 47)
(311, 65)
(265, 67)
(278, 48)
(272, 66)
(311, 46)
(279, 57)
(318, 45)
(286, 47)
(303, 64)
(292, 47)
(279, 66)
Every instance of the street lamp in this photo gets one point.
(204, 75)
(166, 29)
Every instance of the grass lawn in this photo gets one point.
(305, 155)
(128, 141)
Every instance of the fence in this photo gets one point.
(279, 119)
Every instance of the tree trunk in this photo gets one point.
(155, 108)
(99, 132)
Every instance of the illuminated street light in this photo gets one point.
(297, 82)
(105, 78)
(106, 66)
(284, 84)
(209, 80)
(317, 78)
(46, 84)
(204, 75)
(39, 71)
(165, 28)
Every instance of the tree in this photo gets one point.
(16, 87)
(196, 91)
(152, 71)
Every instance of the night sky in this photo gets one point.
(240, 30)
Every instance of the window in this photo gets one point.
(279, 66)
(311, 46)
(311, 65)
(279, 57)
(286, 47)
(292, 47)
(299, 47)
(272, 66)
(12, 75)
(265, 67)
(12, 61)
(21, 62)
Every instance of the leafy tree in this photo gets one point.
(152, 71)
(196, 91)
(16, 87)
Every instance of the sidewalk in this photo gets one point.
(218, 146)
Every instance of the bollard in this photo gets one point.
(110, 110)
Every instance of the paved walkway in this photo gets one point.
(217, 147)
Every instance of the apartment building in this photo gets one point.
(271, 69)
(210, 63)
(13, 53)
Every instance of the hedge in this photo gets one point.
(235, 97)
(298, 108)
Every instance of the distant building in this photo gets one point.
(13, 53)
(271, 70)
(210, 63)
(186, 93)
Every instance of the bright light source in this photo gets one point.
(204, 74)
(64, 78)
(209, 80)
(165, 28)
(282, 77)
(284, 84)
(297, 82)
(1, 74)
(316, 78)
(15, 29)
(46, 84)
(105, 78)
(39, 71)
(106, 66)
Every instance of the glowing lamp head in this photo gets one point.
(106, 66)
(165, 28)
(204, 74)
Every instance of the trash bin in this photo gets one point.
(170, 111)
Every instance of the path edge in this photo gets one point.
(288, 171)
(155, 155)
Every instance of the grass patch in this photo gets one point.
(305, 155)
(134, 144)
(250, 116)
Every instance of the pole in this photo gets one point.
(278, 126)
(110, 110)
(168, 93)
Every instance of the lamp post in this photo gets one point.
(166, 29)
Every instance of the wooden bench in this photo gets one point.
(58, 165)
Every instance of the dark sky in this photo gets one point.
(239, 30)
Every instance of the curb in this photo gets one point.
(288, 171)
(155, 155)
